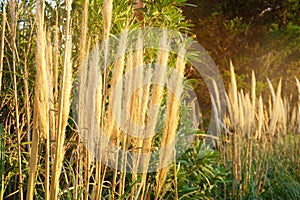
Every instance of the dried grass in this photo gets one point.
(173, 104)
(248, 121)
(257, 126)
(64, 107)
(101, 107)
(13, 9)
(3, 27)
(41, 106)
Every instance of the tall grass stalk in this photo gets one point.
(79, 148)
(138, 101)
(54, 81)
(13, 8)
(160, 75)
(26, 91)
(1, 163)
(107, 23)
(143, 94)
(41, 100)
(172, 119)
(64, 106)
(233, 97)
(297, 130)
(124, 137)
(3, 26)
(114, 109)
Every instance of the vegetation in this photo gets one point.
(259, 36)
(54, 97)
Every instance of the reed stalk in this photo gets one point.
(172, 119)
(233, 97)
(2, 186)
(51, 105)
(41, 107)
(173, 102)
(3, 27)
(107, 23)
(54, 81)
(27, 96)
(13, 8)
(138, 104)
(82, 55)
(298, 120)
(53, 55)
(127, 91)
(64, 107)
(91, 121)
(159, 76)
(260, 118)
(114, 109)
(146, 151)
(126, 117)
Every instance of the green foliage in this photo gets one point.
(256, 35)
(200, 174)
(166, 13)
(236, 25)
(283, 182)
(271, 175)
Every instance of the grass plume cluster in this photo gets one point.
(52, 158)
(256, 131)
